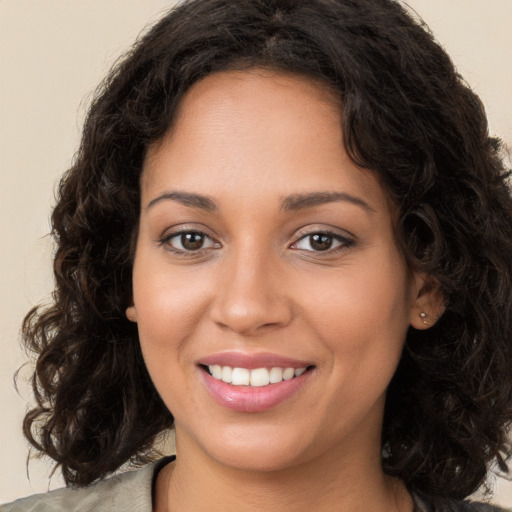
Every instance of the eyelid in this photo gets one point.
(182, 229)
(347, 240)
(186, 227)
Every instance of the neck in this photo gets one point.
(196, 482)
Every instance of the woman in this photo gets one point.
(287, 235)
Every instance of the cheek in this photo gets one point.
(362, 315)
(370, 297)
(166, 320)
(169, 307)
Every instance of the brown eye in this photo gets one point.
(320, 242)
(192, 241)
(189, 241)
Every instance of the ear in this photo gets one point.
(429, 303)
(131, 313)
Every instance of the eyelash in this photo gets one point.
(166, 241)
(345, 242)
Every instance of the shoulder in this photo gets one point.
(128, 491)
(440, 505)
(483, 507)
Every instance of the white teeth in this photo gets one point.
(257, 377)
(227, 373)
(288, 373)
(260, 377)
(240, 377)
(276, 375)
(216, 371)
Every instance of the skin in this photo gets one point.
(248, 140)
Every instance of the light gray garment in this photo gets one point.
(127, 492)
(132, 492)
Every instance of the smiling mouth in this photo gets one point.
(257, 377)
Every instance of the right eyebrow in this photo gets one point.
(186, 199)
(312, 199)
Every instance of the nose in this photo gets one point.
(251, 296)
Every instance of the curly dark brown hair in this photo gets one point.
(407, 116)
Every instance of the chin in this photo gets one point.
(252, 448)
(260, 458)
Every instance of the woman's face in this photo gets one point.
(263, 247)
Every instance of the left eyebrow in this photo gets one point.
(186, 199)
(311, 199)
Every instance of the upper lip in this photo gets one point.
(252, 361)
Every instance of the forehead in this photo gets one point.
(264, 86)
(255, 97)
(256, 130)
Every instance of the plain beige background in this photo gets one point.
(52, 55)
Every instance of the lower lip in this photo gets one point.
(252, 399)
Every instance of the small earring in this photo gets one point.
(424, 317)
